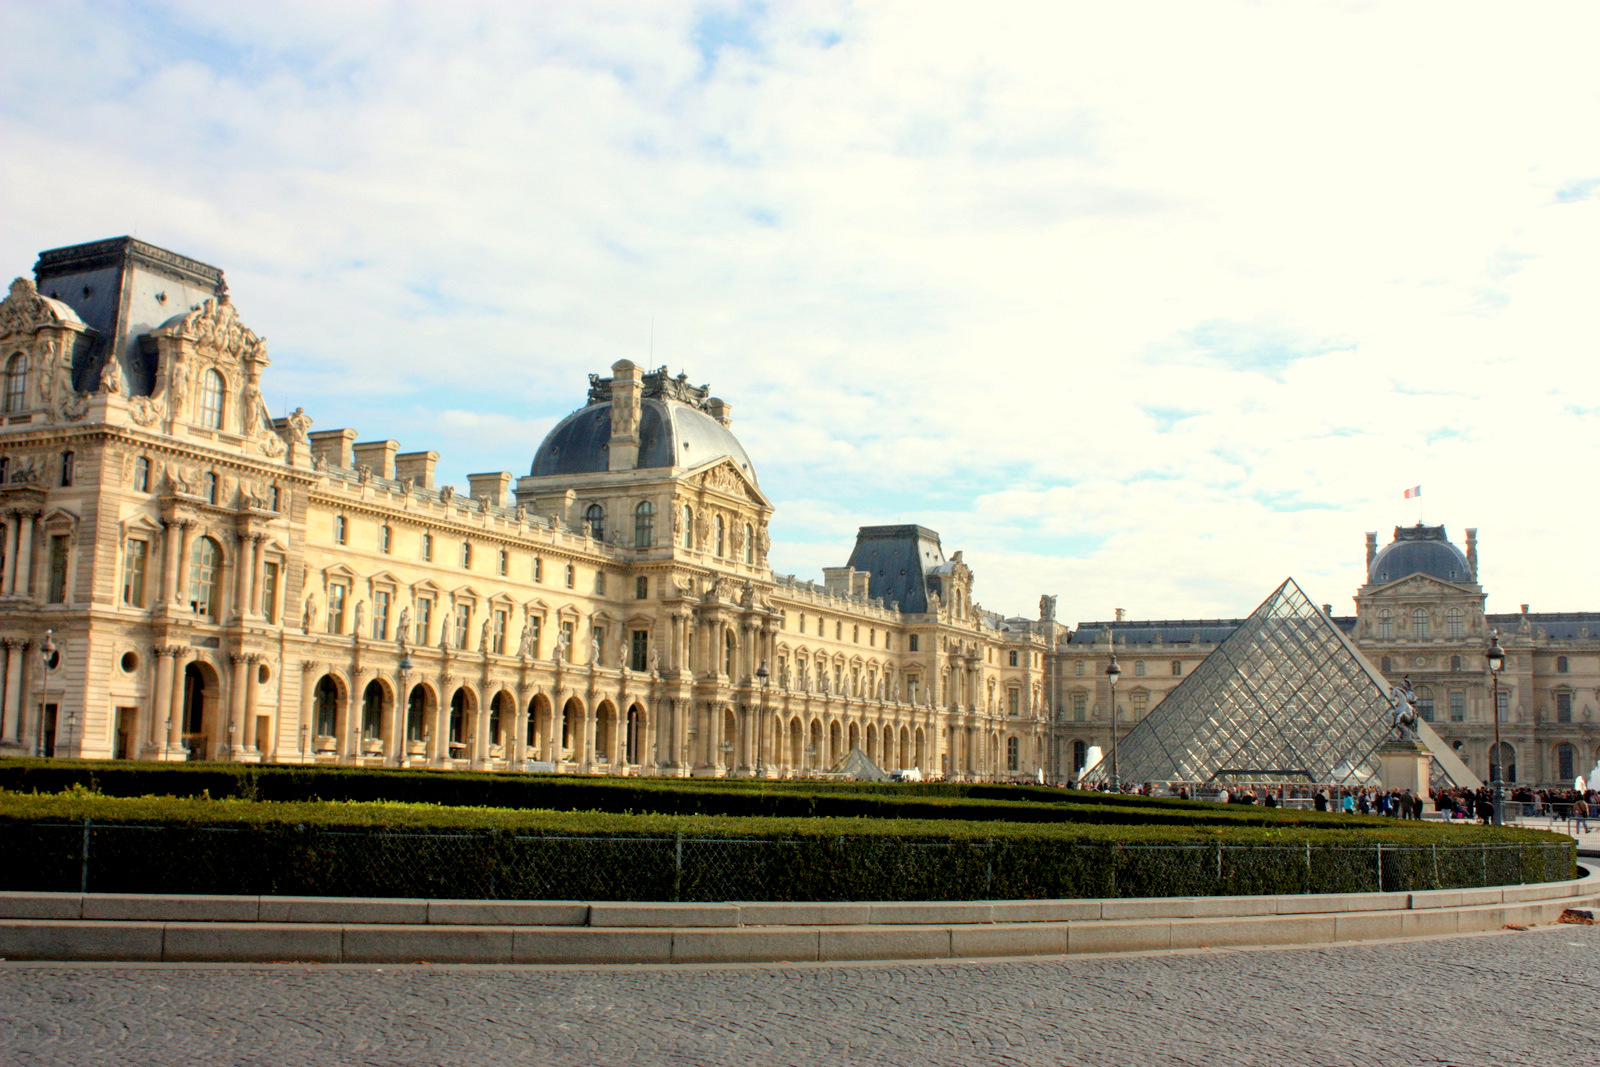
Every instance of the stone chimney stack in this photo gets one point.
(1122, 614)
(720, 410)
(627, 391)
(1372, 548)
(1472, 551)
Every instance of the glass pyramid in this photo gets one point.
(1286, 698)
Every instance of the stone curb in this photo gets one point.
(50, 926)
(394, 911)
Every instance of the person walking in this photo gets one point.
(1580, 815)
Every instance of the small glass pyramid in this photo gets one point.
(1286, 698)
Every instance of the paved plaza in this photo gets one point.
(1496, 999)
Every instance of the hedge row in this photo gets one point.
(150, 845)
(674, 796)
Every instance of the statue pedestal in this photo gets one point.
(1405, 765)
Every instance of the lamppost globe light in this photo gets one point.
(1114, 672)
(1496, 657)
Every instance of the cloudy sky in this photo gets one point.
(1147, 305)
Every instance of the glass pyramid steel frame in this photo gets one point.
(1286, 698)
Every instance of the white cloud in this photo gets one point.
(1148, 305)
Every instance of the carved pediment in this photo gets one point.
(726, 477)
(25, 311)
(214, 327)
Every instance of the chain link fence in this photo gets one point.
(85, 856)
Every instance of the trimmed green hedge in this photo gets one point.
(163, 845)
(667, 796)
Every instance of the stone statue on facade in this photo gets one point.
(1047, 609)
(361, 614)
(483, 636)
(309, 613)
(402, 629)
(558, 652)
(299, 425)
(525, 646)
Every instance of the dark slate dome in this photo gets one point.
(1420, 549)
(671, 433)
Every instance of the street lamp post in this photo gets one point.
(48, 657)
(1497, 658)
(403, 712)
(1113, 673)
(761, 720)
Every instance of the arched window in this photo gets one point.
(727, 656)
(372, 711)
(1138, 668)
(340, 528)
(205, 576)
(594, 516)
(505, 563)
(466, 555)
(1566, 757)
(1454, 624)
(327, 707)
(427, 547)
(211, 400)
(68, 462)
(719, 537)
(1419, 623)
(385, 539)
(644, 524)
(1080, 752)
(1386, 626)
(1425, 703)
(1561, 661)
(1455, 663)
(1384, 665)
(141, 475)
(1013, 754)
(688, 526)
(416, 710)
(1503, 764)
(458, 719)
(211, 487)
(749, 544)
(17, 382)
(1177, 668)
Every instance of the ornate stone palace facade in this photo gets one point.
(1419, 615)
(214, 583)
(223, 585)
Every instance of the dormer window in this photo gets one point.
(594, 516)
(17, 382)
(212, 400)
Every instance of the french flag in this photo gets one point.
(1415, 490)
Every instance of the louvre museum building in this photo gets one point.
(186, 577)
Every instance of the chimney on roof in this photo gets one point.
(720, 410)
(1472, 550)
(1372, 547)
(627, 390)
(1122, 614)
(1524, 609)
(1327, 609)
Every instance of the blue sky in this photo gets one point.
(1145, 305)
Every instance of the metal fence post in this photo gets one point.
(677, 867)
(988, 869)
(83, 880)
(1380, 868)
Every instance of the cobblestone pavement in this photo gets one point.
(1511, 998)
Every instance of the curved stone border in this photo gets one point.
(72, 926)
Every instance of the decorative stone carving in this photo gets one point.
(299, 425)
(111, 381)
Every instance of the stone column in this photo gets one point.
(258, 570)
(307, 727)
(184, 553)
(347, 722)
(437, 731)
(589, 718)
(12, 722)
(22, 580)
(161, 701)
(8, 581)
(480, 735)
(546, 748)
(251, 689)
(175, 709)
(238, 682)
(394, 725)
(241, 575)
(171, 534)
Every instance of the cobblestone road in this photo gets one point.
(1514, 998)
